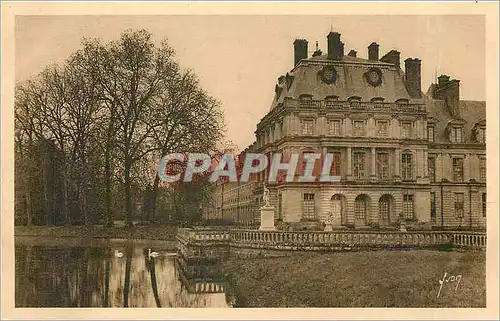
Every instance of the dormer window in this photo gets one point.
(377, 100)
(455, 130)
(355, 101)
(430, 134)
(402, 101)
(332, 98)
(481, 135)
(456, 135)
(305, 100)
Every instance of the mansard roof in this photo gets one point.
(305, 78)
(471, 113)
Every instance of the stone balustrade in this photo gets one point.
(344, 105)
(477, 240)
(312, 240)
(207, 243)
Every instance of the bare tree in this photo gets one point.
(190, 121)
(109, 113)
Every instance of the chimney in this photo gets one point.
(373, 51)
(335, 46)
(392, 57)
(317, 52)
(413, 77)
(449, 91)
(300, 50)
(443, 80)
(352, 53)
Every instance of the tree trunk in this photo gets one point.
(154, 196)
(85, 211)
(106, 285)
(154, 284)
(29, 214)
(128, 268)
(108, 220)
(128, 193)
(67, 218)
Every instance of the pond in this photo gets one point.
(65, 273)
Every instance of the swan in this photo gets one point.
(152, 254)
(118, 253)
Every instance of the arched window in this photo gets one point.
(385, 209)
(337, 209)
(361, 209)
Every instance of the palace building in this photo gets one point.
(402, 154)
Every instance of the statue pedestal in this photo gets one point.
(328, 227)
(402, 226)
(267, 218)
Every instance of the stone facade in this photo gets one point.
(401, 154)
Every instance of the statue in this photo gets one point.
(266, 213)
(265, 196)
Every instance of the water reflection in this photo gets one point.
(95, 277)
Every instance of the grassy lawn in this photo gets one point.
(97, 231)
(360, 279)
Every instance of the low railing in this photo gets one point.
(205, 234)
(322, 240)
(335, 104)
(341, 238)
(469, 240)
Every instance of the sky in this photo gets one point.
(238, 59)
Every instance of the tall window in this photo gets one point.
(459, 204)
(431, 162)
(430, 133)
(334, 127)
(302, 164)
(307, 126)
(382, 128)
(407, 166)
(336, 162)
(406, 130)
(383, 165)
(481, 136)
(360, 208)
(482, 169)
(358, 160)
(433, 207)
(280, 206)
(458, 169)
(408, 206)
(358, 128)
(456, 134)
(483, 201)
(308, 207)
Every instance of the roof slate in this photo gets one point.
(350, 80)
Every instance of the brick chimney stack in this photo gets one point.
(392, 57)
(335, 46)
(449, 91)
(413, 77)
(373, 51)
(299, 50)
